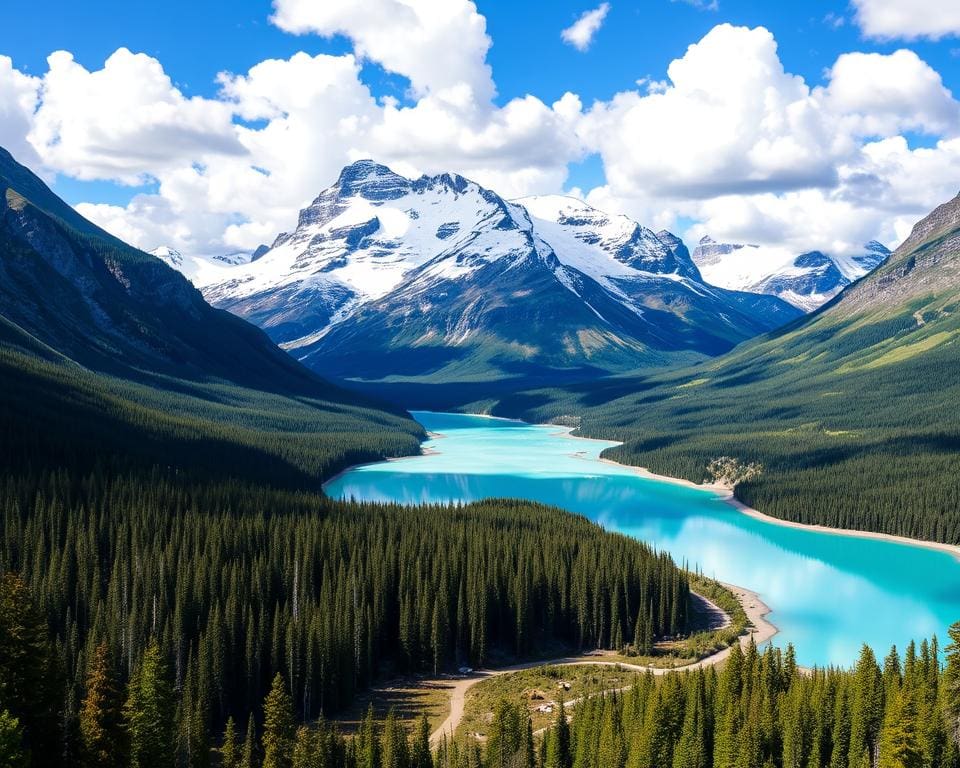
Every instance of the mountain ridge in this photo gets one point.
(439, 279)
(807, 281)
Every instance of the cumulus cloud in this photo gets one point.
(581, 33)
(731, 121)
(232, 171)
(730, 139)
(124, 121)
(436, 44)
(884, 94)
(908, 19)
(18, 100)
(754, 154)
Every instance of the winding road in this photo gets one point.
(761, 631)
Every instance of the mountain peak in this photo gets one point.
(875, 246)
(371, 180)
(943, 219)
(707, 240)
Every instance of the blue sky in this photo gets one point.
(193, 42)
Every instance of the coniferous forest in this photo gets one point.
(151, 599)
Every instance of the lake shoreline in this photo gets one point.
(724, 493)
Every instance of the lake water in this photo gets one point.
(828, 593)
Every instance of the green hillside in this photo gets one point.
(852, 411)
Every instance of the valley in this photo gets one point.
(828, 593)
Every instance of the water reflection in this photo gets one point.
(829, 593)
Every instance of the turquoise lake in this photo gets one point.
(828, 593)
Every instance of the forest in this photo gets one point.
(851, 428)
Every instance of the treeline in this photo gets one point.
(236, 583)
(761, 711)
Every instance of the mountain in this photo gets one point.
(104, 345)
(806, 281)
(387, 279)
(851, 410)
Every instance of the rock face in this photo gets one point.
(438, 278)
(806, 281)
(925, 266)
(79, 292)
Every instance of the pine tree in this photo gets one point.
(866, 710)
(420, 751)
(558, 748)
(393, 750)
(951, 683)
(506, 740)
(693, 749)
(103, 739)
(367, 743)
(149, 712)
(899, 746)
(279, 728)
(29, 676)
(306, 752)
(249, 757)
(230, 748)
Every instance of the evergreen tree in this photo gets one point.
(558, 747)
(505, 744)
(899, 746)
(230, 748)
(866, 712)
(367, 742)
(149, 712)
(306, 749)
(29, 677)
(279, 728)
(248, 759)
(951, 682)
(394, 749)
(103, 739)
(420, 751)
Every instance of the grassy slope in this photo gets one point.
(852, 411)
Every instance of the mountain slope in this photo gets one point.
(806, 281)
(112, 307)
(106, 344)
(852, 410)
(388, 280)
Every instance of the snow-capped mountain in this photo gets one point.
(439, 277)
(806, 281)
(200, 270)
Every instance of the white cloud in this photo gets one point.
(124, 121)
(436, 44)
(581, 33)
(756, 155)
(730, 139)
(884, 94)
(908, 19)
(225, 184)
(18, 100)
(732, 120)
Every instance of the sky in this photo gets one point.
(206, 126)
